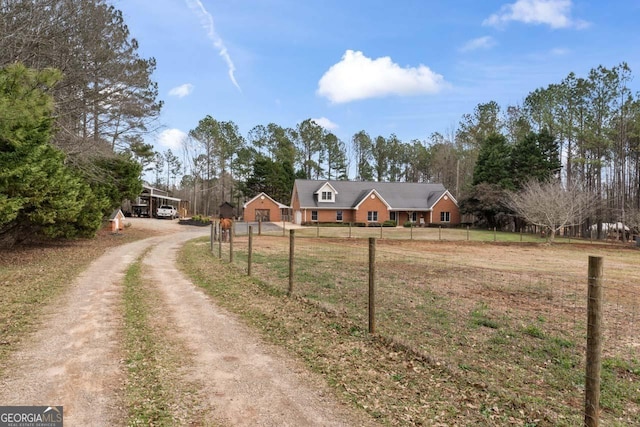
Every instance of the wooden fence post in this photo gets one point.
(230, 246)
(219, 242)
(317, 228)
(594, 344)
(381, 231)
(411, 229)
(260, 227)
(520, 234)
(372, 284)
(439, 232)
(250, 251)
(467, 233)
(292, 243)
(495, 235)
(211, 237)
(284, 229)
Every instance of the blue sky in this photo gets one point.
(409, 67)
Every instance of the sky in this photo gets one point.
(405, 67)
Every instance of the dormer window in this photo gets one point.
(326, 194)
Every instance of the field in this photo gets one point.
(474, 330)
(485, 331)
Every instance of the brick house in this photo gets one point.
(373, 202)
(264, 208)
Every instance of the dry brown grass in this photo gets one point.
(33, 276)
(503, 323)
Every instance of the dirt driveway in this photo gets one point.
(75, 358)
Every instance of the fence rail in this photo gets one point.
(489, 316)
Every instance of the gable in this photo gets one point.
(371, 197)
(326, 193)
(264, 198)
(445, 197)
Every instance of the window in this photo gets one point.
(314, 215)
(338, 215)
(444, 216)
(326, 196)
(414, 216)
(392, 216)
(372, 216)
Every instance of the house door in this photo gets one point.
(298, 217)
(262, 215)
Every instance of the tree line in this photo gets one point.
(583, 132)
(74, 87)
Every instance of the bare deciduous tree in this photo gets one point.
(551, 205)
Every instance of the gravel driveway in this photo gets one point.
(75, 358)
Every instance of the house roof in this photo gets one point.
(407, 196)
(280, 205)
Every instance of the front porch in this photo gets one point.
(417, 218)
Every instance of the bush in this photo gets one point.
(201, 219)
(375, 224)
(389, 223)
(359, 224)
(408, 224)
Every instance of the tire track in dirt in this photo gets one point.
(74, 359)
(244, 381)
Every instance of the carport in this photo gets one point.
(150, 199)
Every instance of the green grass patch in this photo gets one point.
(480, 317)
(144, 391)
(534, 331)
(620, 379)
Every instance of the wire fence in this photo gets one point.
(439, 233)
(508, 317)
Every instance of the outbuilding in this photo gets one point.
(116, 221)
(263, 208)
(227, 210)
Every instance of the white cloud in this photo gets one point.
(560, 51)
(172, 138)
(182, 90)
(358, 77)
(555, 13)
(486, 42)
(207, 22)
(326, 123)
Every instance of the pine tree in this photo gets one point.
(39, 195)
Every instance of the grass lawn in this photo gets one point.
(466, 332)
